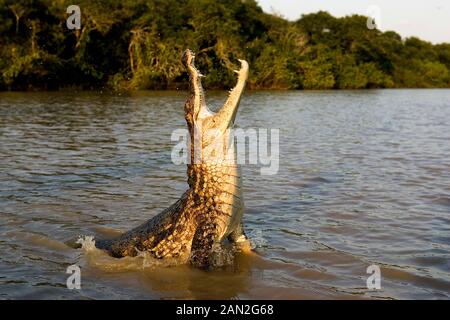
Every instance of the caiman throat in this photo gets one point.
(210, 212)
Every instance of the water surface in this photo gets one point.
(364, 178)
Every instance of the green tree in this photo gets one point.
(136, 44)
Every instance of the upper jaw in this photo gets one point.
(188, 58)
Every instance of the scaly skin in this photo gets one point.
(210, 211)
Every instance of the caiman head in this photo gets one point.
(210, 134)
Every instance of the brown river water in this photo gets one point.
(364, 178)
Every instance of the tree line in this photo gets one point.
(137, 44)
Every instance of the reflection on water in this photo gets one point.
(364, 179)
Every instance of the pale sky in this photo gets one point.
(426, 19)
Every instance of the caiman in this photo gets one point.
(209, 213)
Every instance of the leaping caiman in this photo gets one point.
(210, 212)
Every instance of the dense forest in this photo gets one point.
(137, 44)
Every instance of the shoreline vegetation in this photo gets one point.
(137, 44)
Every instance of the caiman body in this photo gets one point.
(210, 211)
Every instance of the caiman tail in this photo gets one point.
(210, 211)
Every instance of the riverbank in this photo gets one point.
(130, 45)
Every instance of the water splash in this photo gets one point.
(222, 255)
(100, 259)
(257, 240)
(87, 243)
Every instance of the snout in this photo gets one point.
(188, 58)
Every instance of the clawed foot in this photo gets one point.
(243, 245)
